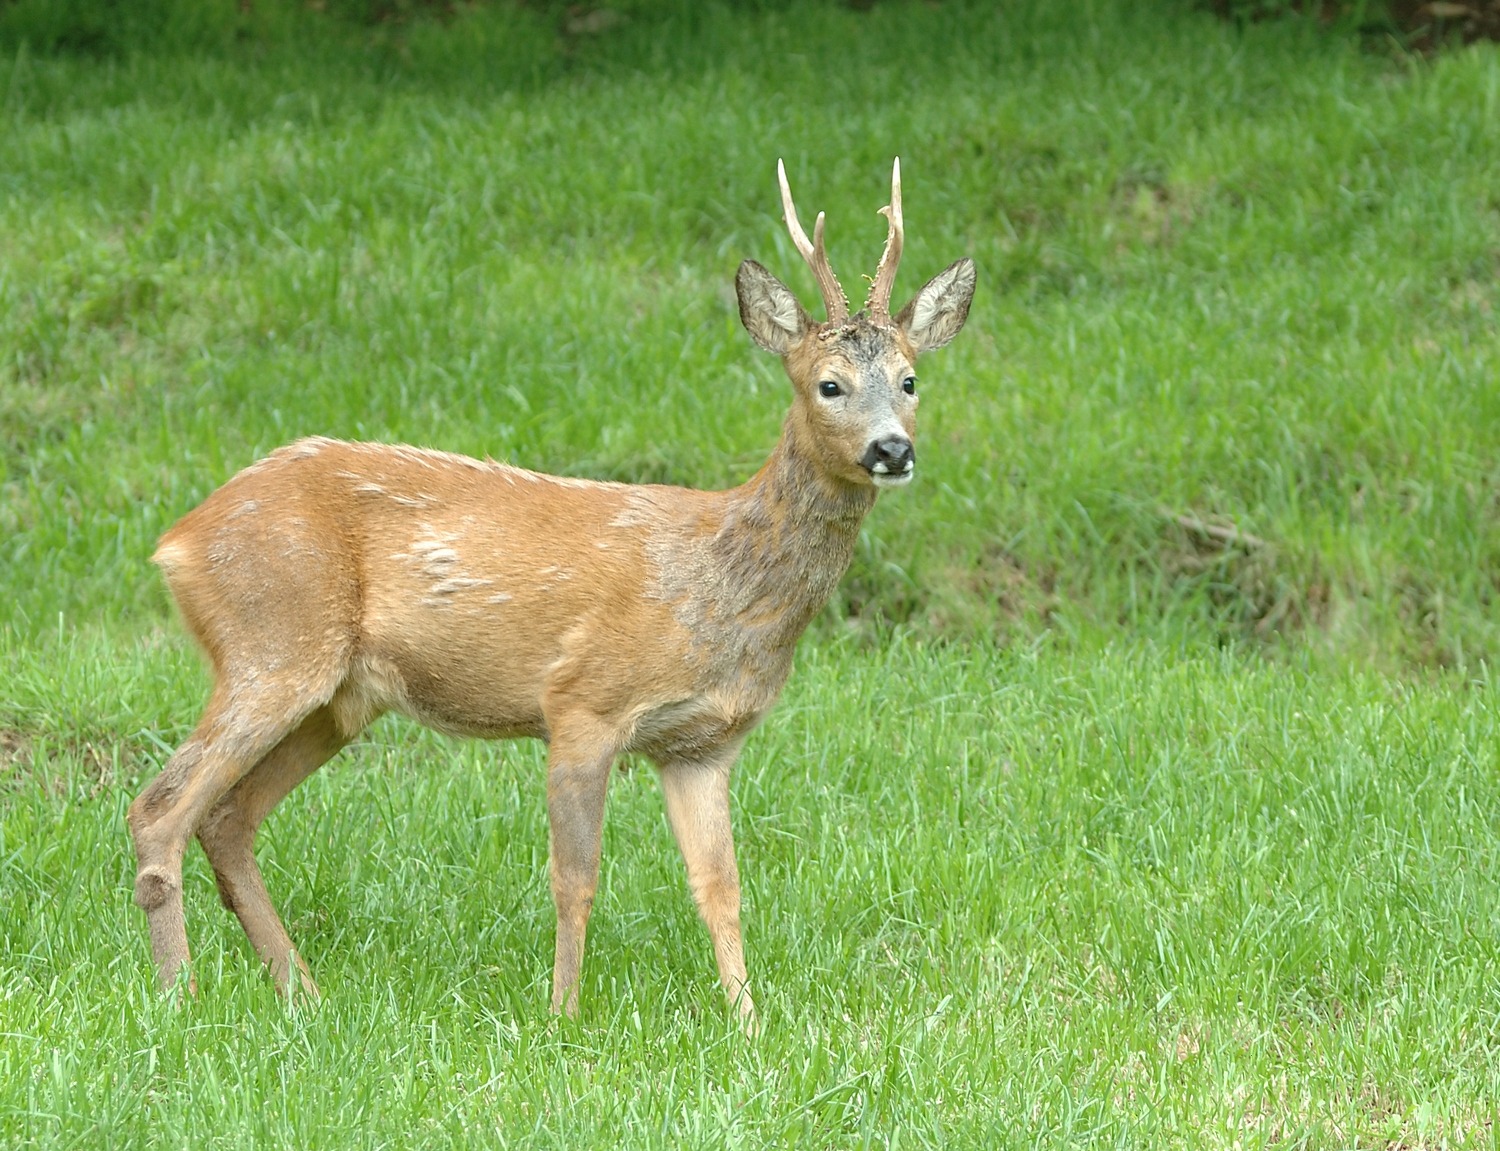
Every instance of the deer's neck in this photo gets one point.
(786, 539)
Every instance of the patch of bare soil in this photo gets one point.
(1421, 25)
(1431, 25)
(26, 762)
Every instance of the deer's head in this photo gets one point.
(854, 377)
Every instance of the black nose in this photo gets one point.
(890, 456)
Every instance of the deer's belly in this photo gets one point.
(455, 695)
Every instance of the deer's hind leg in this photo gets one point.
(227, 834)
(240, 727)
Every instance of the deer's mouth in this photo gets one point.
(890, 460)
(885, 477)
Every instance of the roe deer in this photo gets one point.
(332, 581)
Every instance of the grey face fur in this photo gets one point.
(872, 413)
(851, 377)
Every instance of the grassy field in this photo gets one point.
(1139, 788)
(1026, 898)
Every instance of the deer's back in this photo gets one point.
(459, 591)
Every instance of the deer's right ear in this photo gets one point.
(769, 311)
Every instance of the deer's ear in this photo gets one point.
(769, 311)
(937, 313)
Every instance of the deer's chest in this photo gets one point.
(697, 727)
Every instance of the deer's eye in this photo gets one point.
(828, 389)
(909, 385)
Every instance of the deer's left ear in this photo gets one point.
(937, 313)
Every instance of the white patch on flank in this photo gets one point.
(551, 576)
(433, 558)
(430, 458)
(512, 474)
(300, 450)
(459, 583)
(574, 482)
(370, 488)
(436, 554)
(419, 456)
(249, 507)
(500, 597)
(305, 449)
(640, 510)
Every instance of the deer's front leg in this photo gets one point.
(697, 797)
(577, 780)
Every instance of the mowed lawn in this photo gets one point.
(1131, 897)
(1138, 789)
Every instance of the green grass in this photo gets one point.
(1078, 824)
(1136, 897)
(1243, 278)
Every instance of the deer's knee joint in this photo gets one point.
(148, 807)
(573, 899)
(155, 886)
(717, 899)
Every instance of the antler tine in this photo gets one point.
(814, 253)
(879, 301)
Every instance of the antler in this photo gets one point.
(879, 301)
(814, 253)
